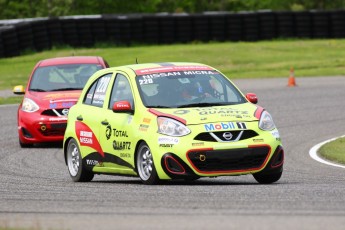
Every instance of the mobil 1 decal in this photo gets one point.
(224, 126)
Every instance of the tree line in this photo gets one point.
(13, 9)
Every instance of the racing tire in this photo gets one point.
(76, 169)
(267, 178)
(145, 165)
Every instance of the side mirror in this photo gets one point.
(18, 89)
(251, 97)
(122, 107)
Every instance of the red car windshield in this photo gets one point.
(62, 77)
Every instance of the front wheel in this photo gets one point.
(75, 163)
(145, 165)
(267, 178)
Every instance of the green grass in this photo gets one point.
(10, 100)
(235, 59)
(334, 151)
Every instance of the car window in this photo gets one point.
(121, 91)
(62, 77)
(96, 93)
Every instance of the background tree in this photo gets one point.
(44, 8)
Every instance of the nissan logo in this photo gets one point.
(65, 112)
(227, 136)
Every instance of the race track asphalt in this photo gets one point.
(37, 192)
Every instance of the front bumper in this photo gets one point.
(208, 162)
(35, 128)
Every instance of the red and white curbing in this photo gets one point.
(313, 153)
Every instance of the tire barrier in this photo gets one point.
(17, 36)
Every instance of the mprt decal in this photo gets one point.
(87, 138)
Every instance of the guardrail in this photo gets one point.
(39, 34)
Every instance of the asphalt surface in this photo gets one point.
(37, 192)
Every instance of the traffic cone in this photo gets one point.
(292, 81)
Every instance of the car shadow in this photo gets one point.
(200, 182)
(49, 145)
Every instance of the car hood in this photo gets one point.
(55, 100)
(201, 115)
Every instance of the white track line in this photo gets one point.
(313, 153)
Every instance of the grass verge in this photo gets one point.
(10, 100)
(334, 151)
(262, 59)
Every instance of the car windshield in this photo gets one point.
(62, 77)
(191, 88)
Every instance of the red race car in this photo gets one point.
(53, 87)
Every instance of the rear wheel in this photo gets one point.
(145, 165)
(267, 178)
(75, 163)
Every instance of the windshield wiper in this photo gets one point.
(63, 89)
(158, 106)
(38, 90)
(204, 104)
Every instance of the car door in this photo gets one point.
(116, 132)
(89, 119)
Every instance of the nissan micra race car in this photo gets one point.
(53, 87)
(169, 121)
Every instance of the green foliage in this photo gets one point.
(45, 8)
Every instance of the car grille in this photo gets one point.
(229, 160)
(54, 112)
(237, 135)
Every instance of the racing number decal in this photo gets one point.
(87, 138)
(102, 85)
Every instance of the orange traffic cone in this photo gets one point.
(292, 81)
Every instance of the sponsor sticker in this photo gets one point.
(143, 127)
(147, 120)
(86, 137)
(168, 140)
(219, 126)
(58, 119)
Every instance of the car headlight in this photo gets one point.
(171, 127)
(29, 106)
(266, 121)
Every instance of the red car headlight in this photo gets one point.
(29, 106)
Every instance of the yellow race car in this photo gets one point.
(165, 121)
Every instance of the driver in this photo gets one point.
(193, 91)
